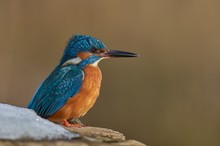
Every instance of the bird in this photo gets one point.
(72, 88)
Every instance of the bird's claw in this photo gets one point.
(73, 122)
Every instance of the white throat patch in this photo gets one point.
(96, 63)
(73, 61)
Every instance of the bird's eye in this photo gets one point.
(97, 51)
(93, 50)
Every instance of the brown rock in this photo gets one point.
(90, 136)
(101, 134)
(75, 142)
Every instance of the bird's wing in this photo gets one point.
(54, 92)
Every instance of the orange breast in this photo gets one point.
(78, 105)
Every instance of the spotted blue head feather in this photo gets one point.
(80, 43)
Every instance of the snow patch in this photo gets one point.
(22, 123)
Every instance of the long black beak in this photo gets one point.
(116, 53)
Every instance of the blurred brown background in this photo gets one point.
(168, 96)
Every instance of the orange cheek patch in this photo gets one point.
(84, 55)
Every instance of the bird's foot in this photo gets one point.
(72, 123)
(76, 121)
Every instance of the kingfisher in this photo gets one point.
(72, 88)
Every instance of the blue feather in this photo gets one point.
(80, 43)
(59, 86)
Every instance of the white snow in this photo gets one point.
(22, 123)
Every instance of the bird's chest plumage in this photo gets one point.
(89, 91)
(79, 104)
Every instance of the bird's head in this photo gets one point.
(83, 50)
